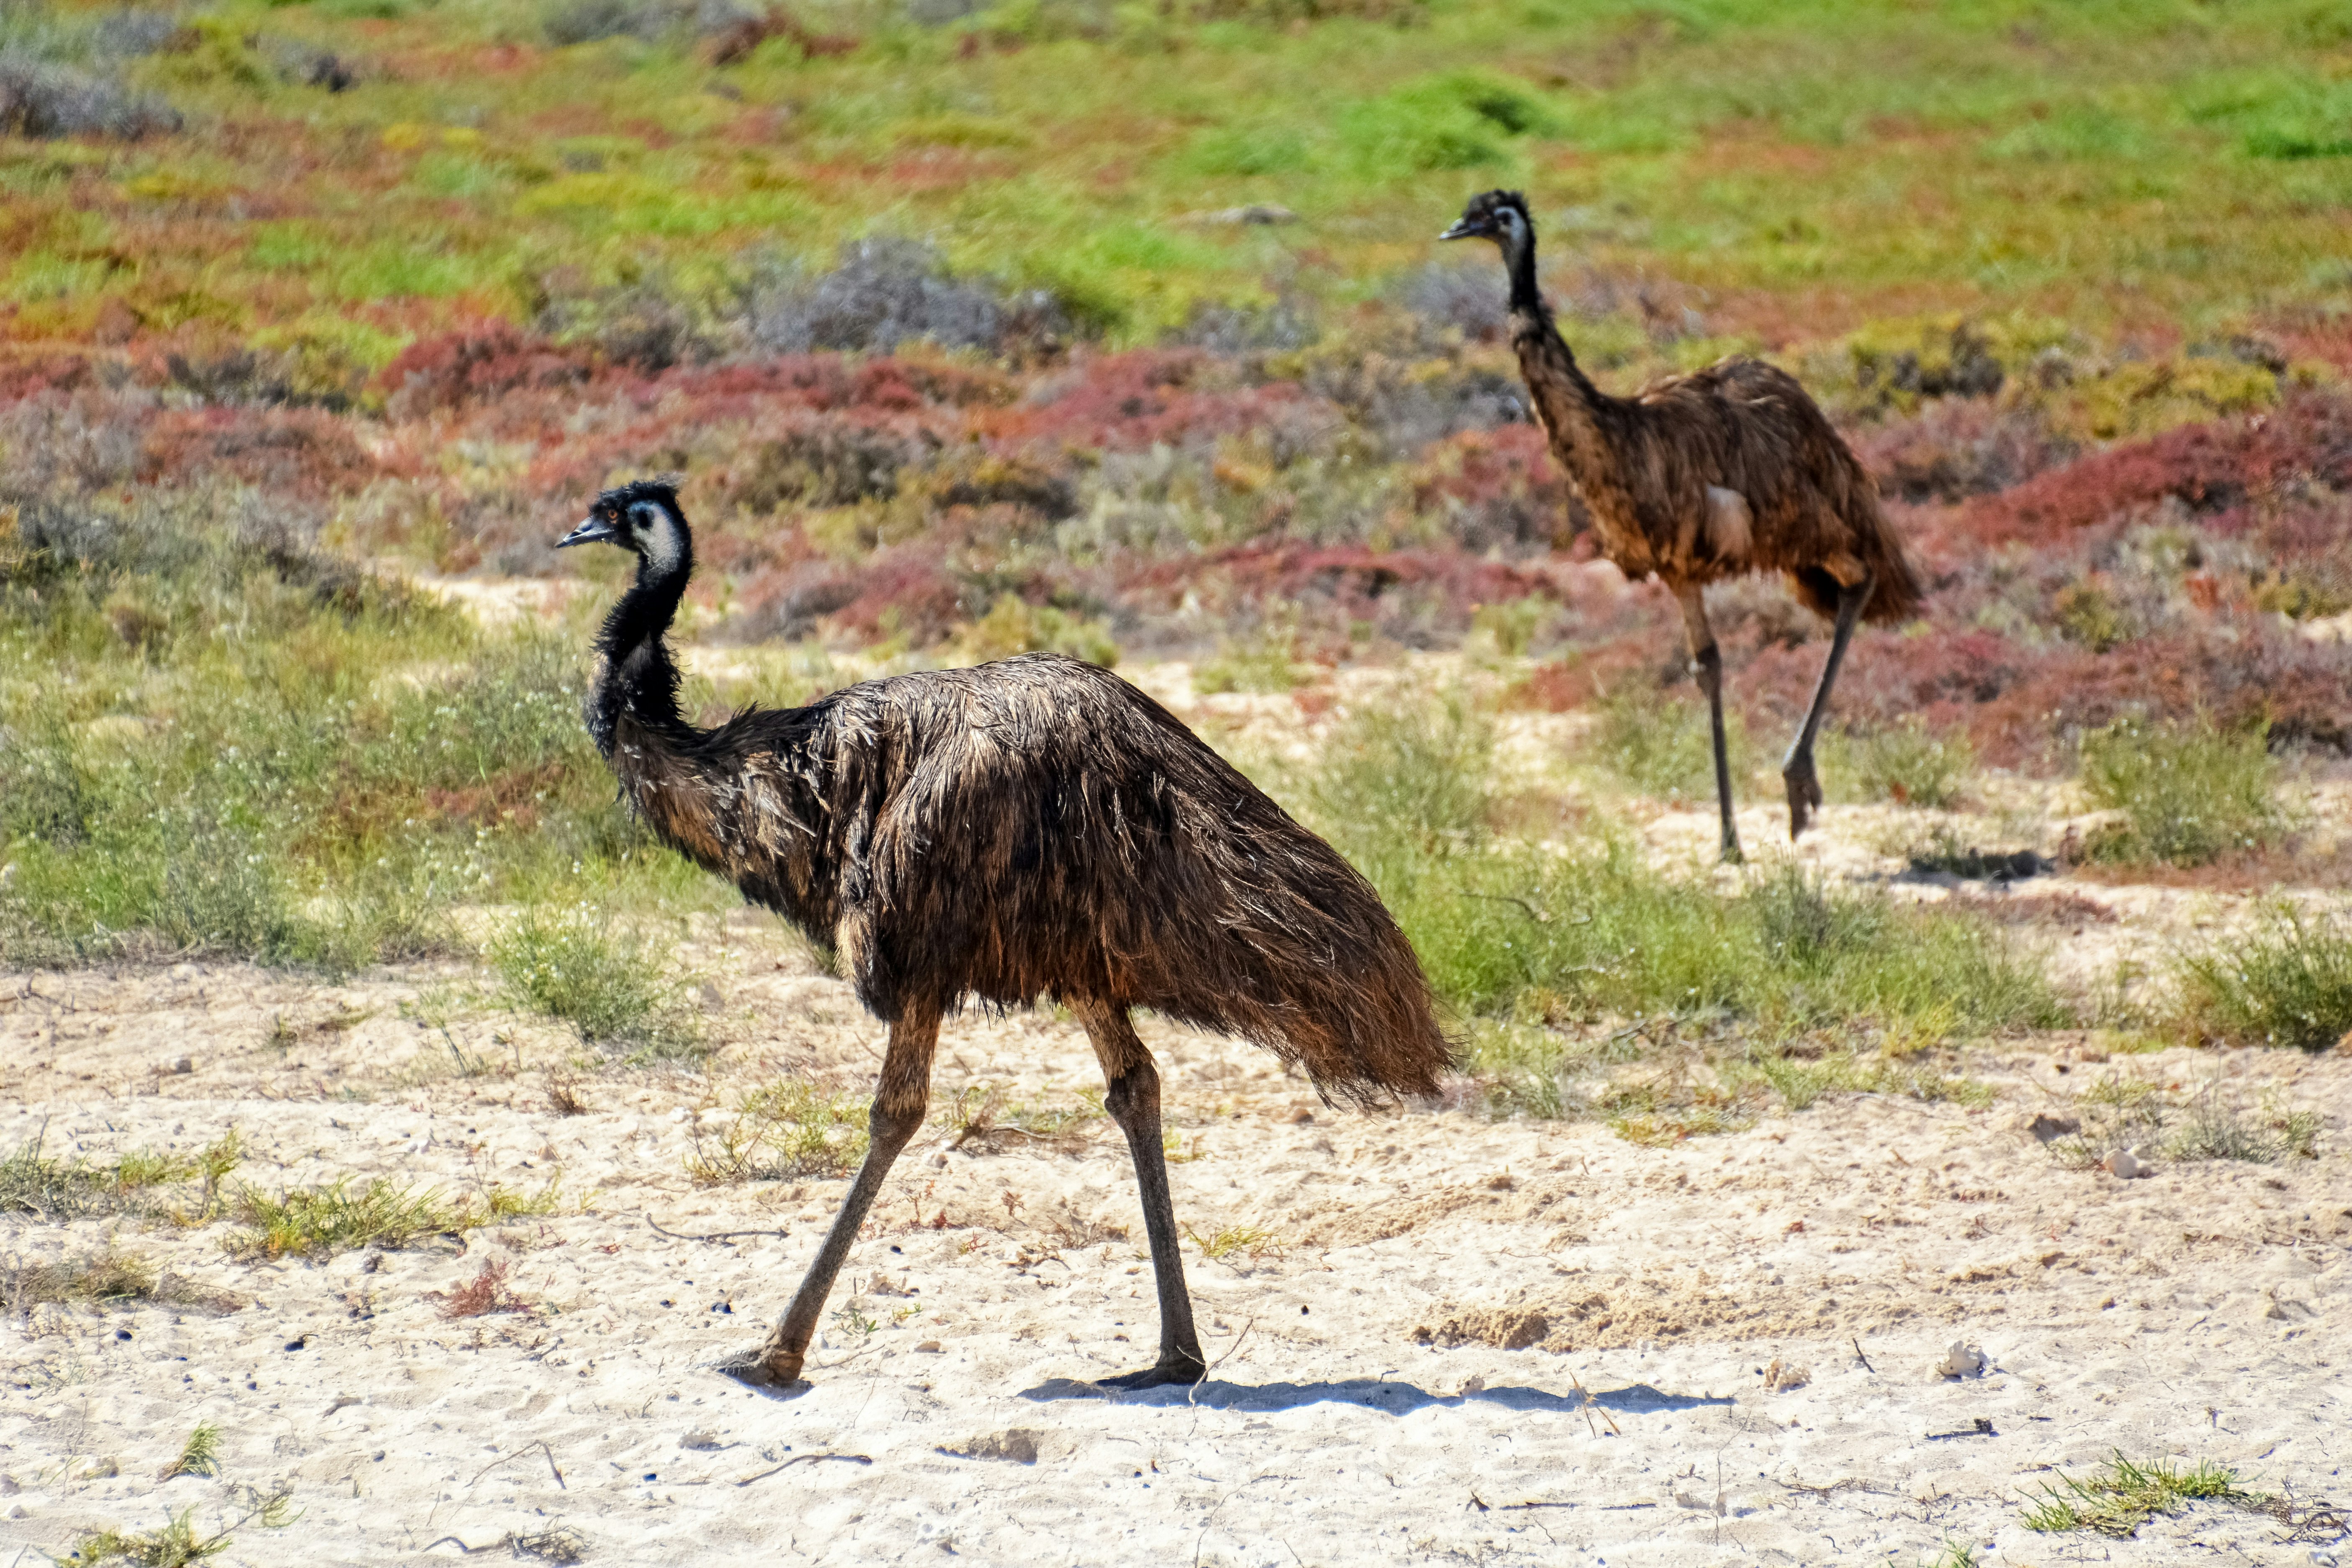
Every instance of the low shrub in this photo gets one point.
(2188, 794)
(2288, 982)
(1904, 762)
(608, 982)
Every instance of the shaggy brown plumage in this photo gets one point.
(1697, 478)
(1033, 827)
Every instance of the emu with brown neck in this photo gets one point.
(1031, 828)
(1700, 477)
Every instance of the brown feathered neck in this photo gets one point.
(636, 674)
(1576, 413)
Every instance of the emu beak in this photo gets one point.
(593, 531)
(1466, 228)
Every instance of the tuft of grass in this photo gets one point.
(200, 1456)
(177, 1544)
(110, 1276)
(2217, 1126)
(2287, 983)
(1253, 1241)
(1263, 663)
(1406, 779)
(785, 1130)
(604, 980)
(58, 1189)
(2188, 794)
(1657, 743)
(2120, 1496)
(1013, 626)
(2116, 1113)
(1904, 763)
(319, 1222)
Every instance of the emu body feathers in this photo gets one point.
(1034, 827)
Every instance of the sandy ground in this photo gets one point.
(1436, 1338)
(2202, 1312)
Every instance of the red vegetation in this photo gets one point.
(460, 368)
(2209, 468)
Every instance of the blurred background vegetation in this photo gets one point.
(1119, 328)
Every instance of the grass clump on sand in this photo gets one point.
(32, 1181)
(2188, 794)
(318, 1221)
(1658, 743)
(110, 1276)
(200, 1456)
(608, 982)
(177, 1544)
(2287, 983)
(780, 1132)
(1904, 763)
(1546, 950)
(2120, 1496)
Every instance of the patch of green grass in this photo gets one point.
(2120, 1496)
(177, 1544)
(319, 1222)
(1546, 948)
(2216, 1125)
(1398, 782)
(1904, 763)
(1592, 931)
(1013, 626)
(606, 980)
(2188, 794)
(2287, 983)
(1657, 743)
(1263, 663)
(55, 1188)
(783, 1131)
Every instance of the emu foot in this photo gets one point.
(1731, 855)
(1804, 791)
(769, 1366)
(1175, 1368)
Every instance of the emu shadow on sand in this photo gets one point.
(1699, 478)
(1031, 828)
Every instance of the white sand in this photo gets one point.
(2202, 1313)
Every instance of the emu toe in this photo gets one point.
(1178, 1369)
(769, 1366)
(1804, 793)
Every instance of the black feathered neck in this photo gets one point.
(1519, 259)
(635, 674)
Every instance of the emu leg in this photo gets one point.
(1706, 669)
(900, 1098)
(1797, 770)
(1133, 1100)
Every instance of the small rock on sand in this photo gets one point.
(1962, 1360)
(1781, 1375)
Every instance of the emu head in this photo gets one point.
(642, 517)
(1501, 216)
